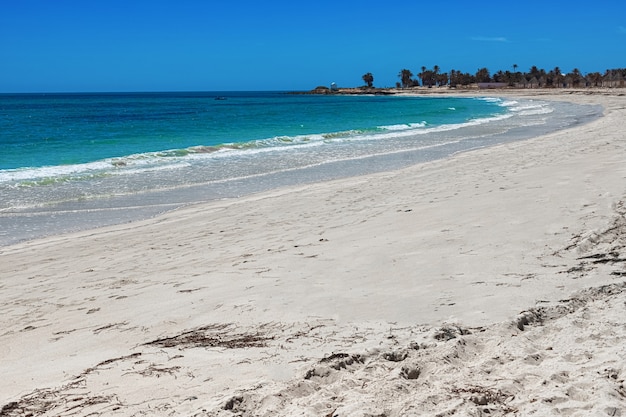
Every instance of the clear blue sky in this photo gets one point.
(176, 45)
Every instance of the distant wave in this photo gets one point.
(528, 108)
(406, 126)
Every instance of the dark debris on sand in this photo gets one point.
(214, 335)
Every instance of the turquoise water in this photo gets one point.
(53, 130)
(73, 161)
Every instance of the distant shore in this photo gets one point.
(475, 88)
(487, 283)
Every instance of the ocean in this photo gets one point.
(76, 161)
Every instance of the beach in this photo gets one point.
(487, 283)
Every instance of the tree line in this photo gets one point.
(534, 78)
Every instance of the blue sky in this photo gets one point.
(183, 45)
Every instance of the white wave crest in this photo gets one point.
(405, 126)
(22, 174)
(531, 108)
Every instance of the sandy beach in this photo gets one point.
(489, 283)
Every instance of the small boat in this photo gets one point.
(220, 98)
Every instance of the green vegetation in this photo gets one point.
(534, 78)
(368, 79)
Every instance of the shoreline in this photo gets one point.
(280, 302)
(86, 207)
(461, 91)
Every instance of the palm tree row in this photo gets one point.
(534, 78)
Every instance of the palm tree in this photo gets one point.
(535, 72)
(368, 79)
(435, 75)
(595, 78)
(425, 76)
(482, 76)
(556, 77)
(430, 77)
(442, 79)
(576, 77)
(405, 78)
(454, 78)
(514, 67)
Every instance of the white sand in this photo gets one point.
(396, 294)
